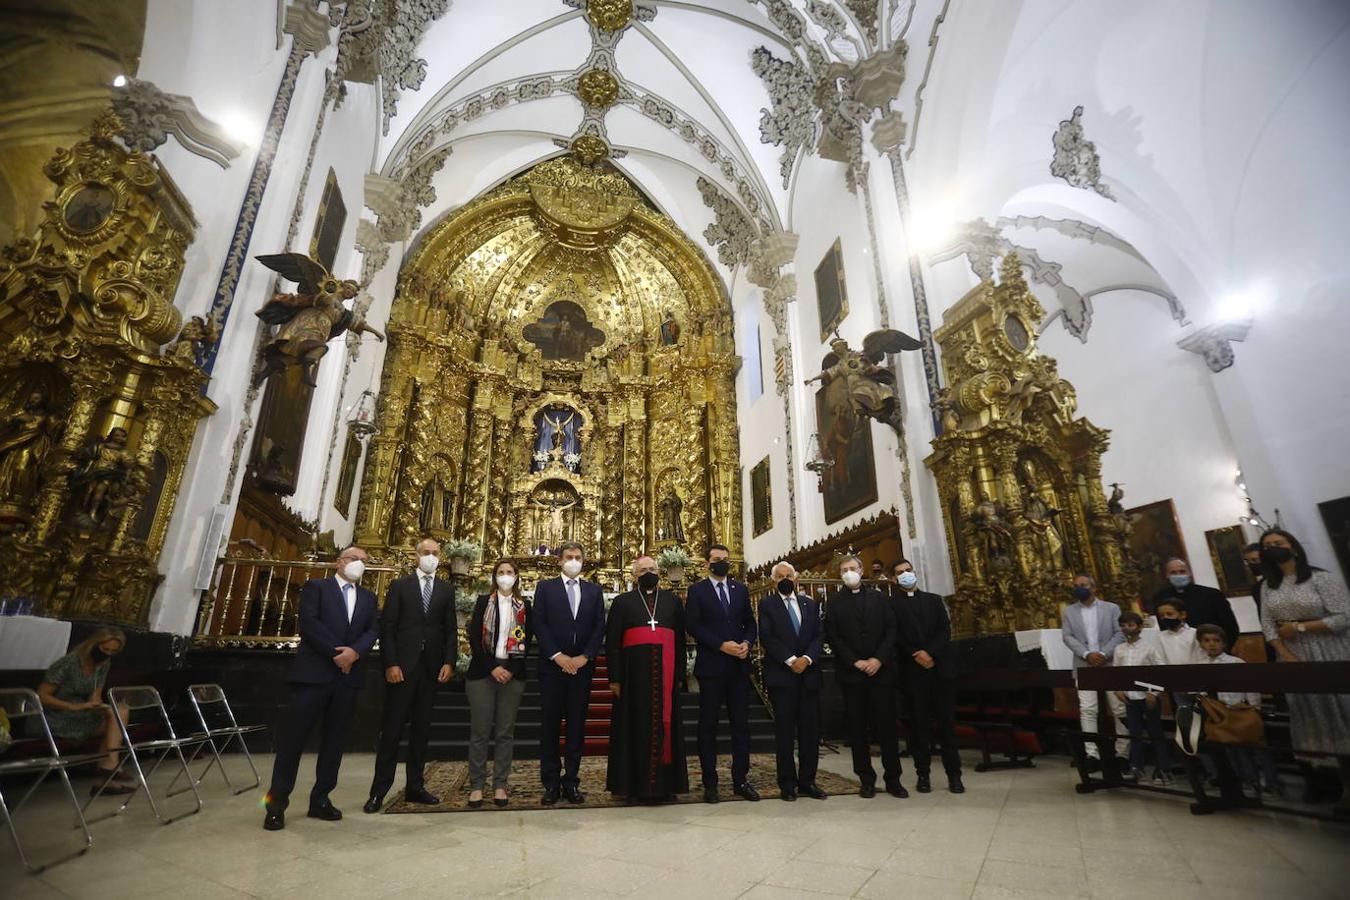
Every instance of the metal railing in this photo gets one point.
(256, 602)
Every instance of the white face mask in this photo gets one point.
(505, 582)
(354, 570)
(428, 563)
(571, 568)
(907, 580)
(852, 578)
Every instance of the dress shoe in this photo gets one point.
(275, 820)
(897, 790)
(476, 804)
(787, 794)
(746, 791)
(550, 797)
(954, 784)
(710, 794)
(502, 801)
(867, 791)
(813, 791)
(572, 794)
(923, 784)
(328, 812)
(421, 795)
(373, 804)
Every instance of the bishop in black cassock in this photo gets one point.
(646, 659)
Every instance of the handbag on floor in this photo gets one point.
(1237, 724)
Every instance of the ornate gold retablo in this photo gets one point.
(589, 149)
(598, 88)
(610, 15)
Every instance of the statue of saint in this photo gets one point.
(670, 330)
(1040, 516)
(25, 441)
(871, 386)
(671, 529)
(308, 319)
(101, 476)
(991, 527)
(193, 339)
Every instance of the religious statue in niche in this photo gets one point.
(25, 441)
(669, 527)
(564, 333)
(990, 520)
(670, 330)
(308, 319)
(554, 505)
(870, 386)
(1041, 518)
(438, 505)
(557, 440)
(103, 477)
(193, 339)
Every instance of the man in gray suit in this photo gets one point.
(1091, 629)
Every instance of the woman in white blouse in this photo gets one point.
(500, 631)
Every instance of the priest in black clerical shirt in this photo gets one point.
(1204, 605)
(860, 626)
(928, 671)
(645, 654)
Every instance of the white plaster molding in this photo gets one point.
(149, 116)
(1214, 342)
(308, 26)
(1076, 159)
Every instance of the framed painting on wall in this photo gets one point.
(761, 499)
(1155, 537)
(831, 296)
(1225, 551)
(323, 246)
(1336, 516)
(845, 437)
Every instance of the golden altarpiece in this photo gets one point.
(560, 367)
(1018, 472)
(96, 414)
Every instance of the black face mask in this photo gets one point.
(1169, 624)
(1256, 569)
(787, 587)
(720, 568)
(98, 654)
(648, 580)
(1276, 555)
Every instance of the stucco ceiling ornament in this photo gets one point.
(1214, 343)
(149, 116)
(399, 200)
(731, 231)
(1076, 160)
(379, 40)
(865, 13)
(790, 121)
(598, 88)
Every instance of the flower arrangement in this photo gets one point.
(460, 549)
(674, 558)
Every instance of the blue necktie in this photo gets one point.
(722, 595)
(347, 601)
(792, 614)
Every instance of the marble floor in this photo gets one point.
(1013, 834)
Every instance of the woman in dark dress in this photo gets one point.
(71, 694)
(500, 632)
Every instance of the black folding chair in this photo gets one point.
(138, 702)
(219, 729)
(39, 757)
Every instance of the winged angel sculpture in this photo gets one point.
(869, 384)
(308, 319)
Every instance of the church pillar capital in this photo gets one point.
(308, 26)
(1214, 342)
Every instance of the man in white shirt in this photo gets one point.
(1090, 628)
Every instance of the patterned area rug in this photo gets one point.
(449, 781)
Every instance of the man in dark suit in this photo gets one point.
(928, 670)
(1204, 605)
(789, 631)
(419, 642)
(719, 616)
(860, 626)
(338, 627)
(569, 621)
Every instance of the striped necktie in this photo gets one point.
(426, 595)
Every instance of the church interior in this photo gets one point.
(1038, 298)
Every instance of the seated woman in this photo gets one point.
(500, 631)
(71, 694)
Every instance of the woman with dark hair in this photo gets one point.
(500, 631)
(71, 694)
(1305, 614)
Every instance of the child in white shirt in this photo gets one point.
(1143, 711)
(1253, 764)
(1176, 640)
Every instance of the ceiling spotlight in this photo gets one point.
(120, 81)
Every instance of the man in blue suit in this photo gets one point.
(719, 616)
(569, 621)
(338, 627)
(789, 628)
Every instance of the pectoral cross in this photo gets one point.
(652, 621)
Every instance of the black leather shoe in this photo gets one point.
(897, 790)
(502, 801)
(573, 794)
(867, 791)
(710, 794)
(954, 784)
(421, 795)
(328, 812)
(813, 791)
(275, 820)
(787, 794)
(923, 784)
(550, 797)
(476, 804)
(373, 804)
(746, 791)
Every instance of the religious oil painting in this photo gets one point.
(831, 297)
(1225, 551)
(1155, 537)
(846, 438)
(1336, 516)
(564, 333)
(761, 500)
(323, 246)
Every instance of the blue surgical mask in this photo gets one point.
(1179, 581)
(907, 580)
(1082, 593)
